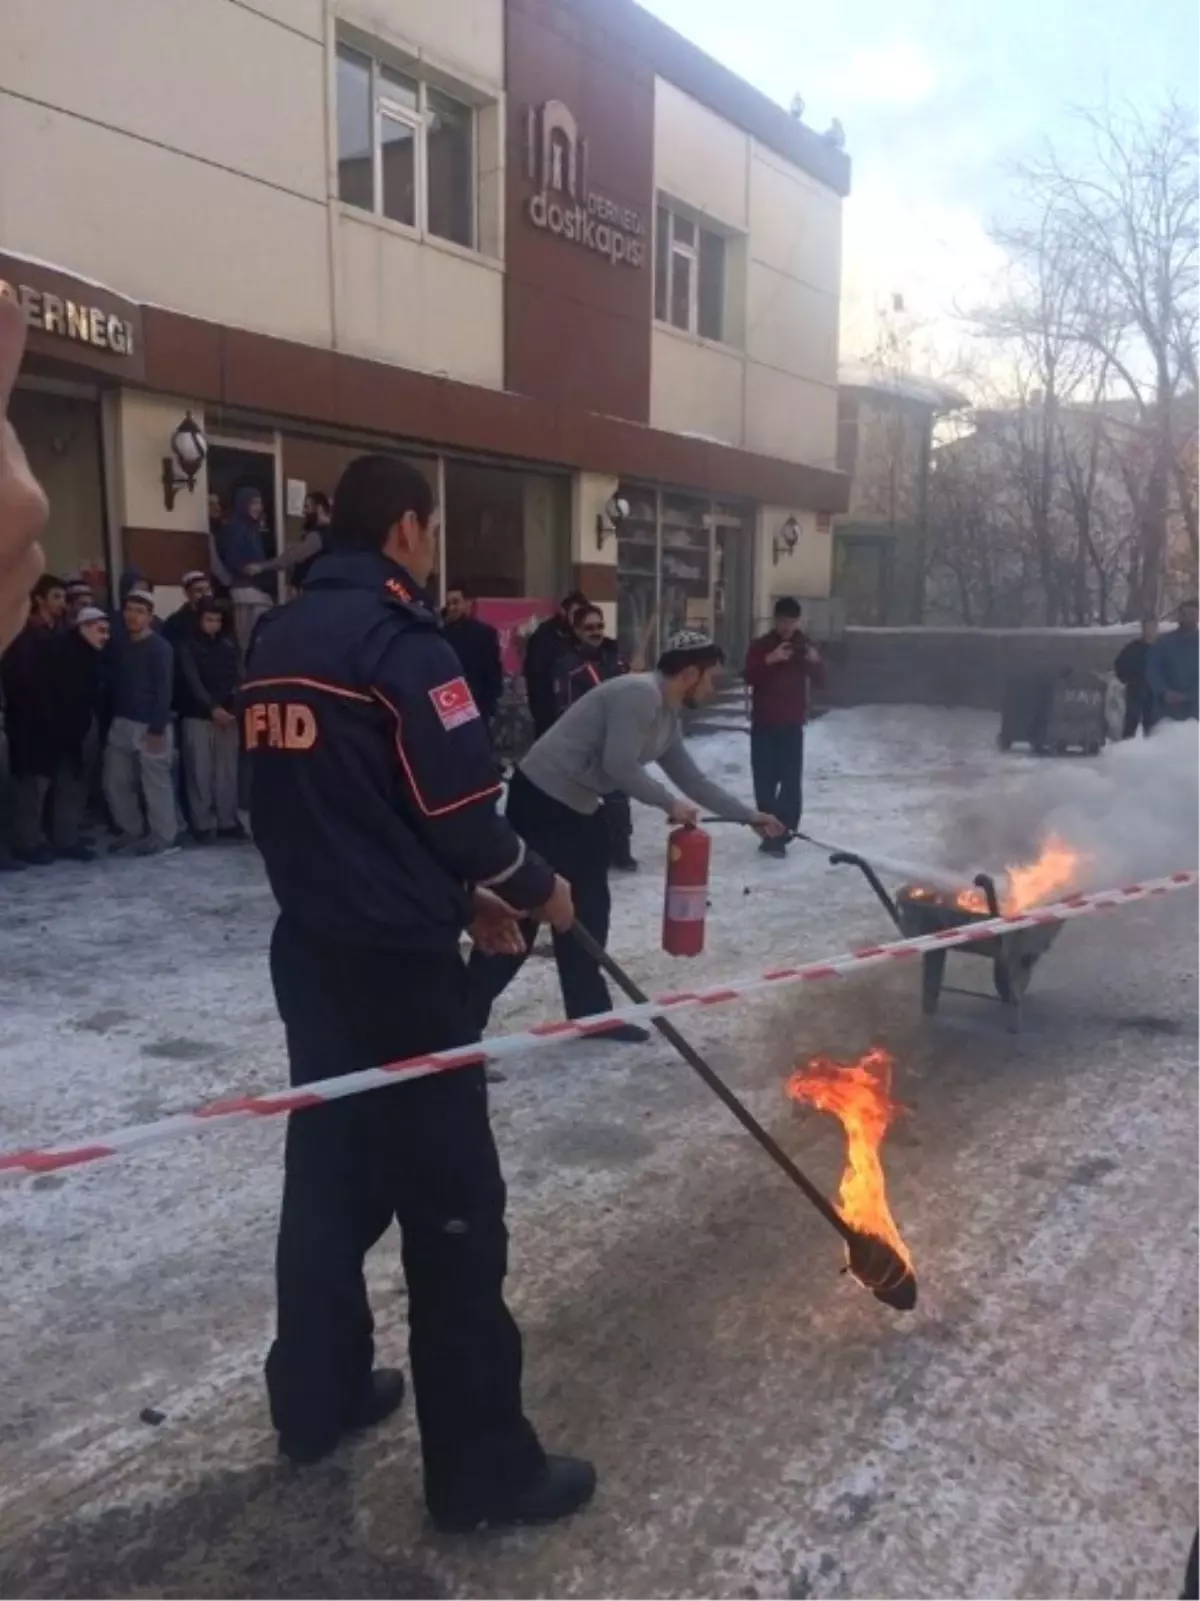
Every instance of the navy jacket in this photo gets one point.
(372, 784)
(477, 646)
(580, 669)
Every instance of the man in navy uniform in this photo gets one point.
(373, 801)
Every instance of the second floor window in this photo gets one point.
(405, 149)
(689, 275)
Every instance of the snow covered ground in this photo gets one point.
(761, 1426)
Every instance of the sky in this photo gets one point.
(938, 100)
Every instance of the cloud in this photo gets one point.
(890, 76)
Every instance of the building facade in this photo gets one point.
(546, 249)
(885, 442)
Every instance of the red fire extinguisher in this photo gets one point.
(685, 905)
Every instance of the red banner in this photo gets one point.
(514, 620)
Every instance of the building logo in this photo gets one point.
(69, 319)
(564, 203)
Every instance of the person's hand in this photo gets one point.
(222, 718)
(766, 825)
(1172, 697)
(252, 569)
(23, 505)
(812, 656)
(781, 654)
(559, 910)
(156, 744)
(495, 926)
(683, 814)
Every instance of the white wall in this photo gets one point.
(418, 305)
(191, 162)
(145, 425)
(806, 572)
(774, 388)
(464, 36)
(695, 386)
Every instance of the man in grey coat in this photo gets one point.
(601, 744)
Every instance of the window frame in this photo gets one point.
(691, 253)
(384, 105)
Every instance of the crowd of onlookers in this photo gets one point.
(121, 730)
(119, 726)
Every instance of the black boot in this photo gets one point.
(621, 1033)
(564, 1485)
(381, 1398)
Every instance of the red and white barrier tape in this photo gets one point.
(221, 1114)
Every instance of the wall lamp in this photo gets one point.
(188, 451)
(608, 521)
(787, 537)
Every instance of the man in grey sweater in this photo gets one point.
(600, 744)
(137, 758)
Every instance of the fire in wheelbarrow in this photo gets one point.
(919, 909)
(859, 1095)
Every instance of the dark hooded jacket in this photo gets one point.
(240, 542)
(29, 672)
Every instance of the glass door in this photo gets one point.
(637, 578)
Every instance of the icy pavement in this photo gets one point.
(761, 1426)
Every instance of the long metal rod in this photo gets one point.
(715, 1083)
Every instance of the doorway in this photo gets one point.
(235, 467)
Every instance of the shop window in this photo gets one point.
(689, 275)
(507, 532)
(406, 151)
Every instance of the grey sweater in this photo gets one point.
(603, 743)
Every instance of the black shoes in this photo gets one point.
(622, 1033)
(624, 864)
(37, 856)
(76, 853)
(565, 1484)
(236, 833)
(773, 847)
(381, 1398)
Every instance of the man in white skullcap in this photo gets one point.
(602, 743)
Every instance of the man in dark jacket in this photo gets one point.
(542, 650)
(138, 783)
(243, 555)
(209, 672)
(82, 687)
(1130, 669)
(588, 661)
(29, 669)
(197, 587)
(1173, 668)
(779, 668)
(373, 801)
(477, 646)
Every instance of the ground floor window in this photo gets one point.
(507, 531)
(863, 577)
(683, 561)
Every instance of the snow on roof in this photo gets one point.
(907, 385)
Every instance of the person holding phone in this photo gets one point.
(780, 666)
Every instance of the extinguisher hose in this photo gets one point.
(926, 873)
(716, 1084)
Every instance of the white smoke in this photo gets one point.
(1132, 812)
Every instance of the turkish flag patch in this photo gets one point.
(454, 703)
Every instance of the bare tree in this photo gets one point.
(1128, 217)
